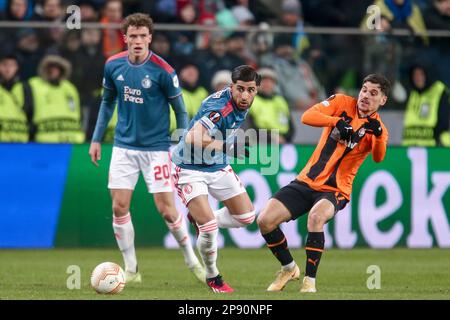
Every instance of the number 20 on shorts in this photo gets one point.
(162, 172)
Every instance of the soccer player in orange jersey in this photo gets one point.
(352, 130)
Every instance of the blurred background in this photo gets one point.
(51, 83)
(307, 50)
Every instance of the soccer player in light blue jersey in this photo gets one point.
(143, 85)
(202, 167)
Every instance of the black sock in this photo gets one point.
(314, 248)
(277, 243)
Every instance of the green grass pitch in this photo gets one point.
(405, 274)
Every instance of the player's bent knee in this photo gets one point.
(261, 221)
(265, 223)
(316, 220)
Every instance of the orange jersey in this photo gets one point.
(334, 164)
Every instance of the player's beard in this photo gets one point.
(363, 105)
(247, 106)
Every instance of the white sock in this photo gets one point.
(226, 220)
(207, 245)
(124, 232)
(289, 266)
(179, 232)
(313, 280)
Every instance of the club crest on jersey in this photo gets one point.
(176, 84)
(326, 103)
(146, 82)
(214, 117)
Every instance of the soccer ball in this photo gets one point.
(108, 277)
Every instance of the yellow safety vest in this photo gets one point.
(13, 121)
(271, 113)
(421, 116)
(192, 101)
(56, 112)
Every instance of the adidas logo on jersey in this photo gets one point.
(120, 78)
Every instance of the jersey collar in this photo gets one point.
(142, 63)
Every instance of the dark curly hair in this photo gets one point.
(138, 20)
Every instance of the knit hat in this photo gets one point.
(268, 73)
(221, 76)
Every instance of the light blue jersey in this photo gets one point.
(143, 92)
(220, 116)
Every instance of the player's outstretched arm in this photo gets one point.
(200, 138)
(321, 114)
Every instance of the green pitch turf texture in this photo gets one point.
(405, 274)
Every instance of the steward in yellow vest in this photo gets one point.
(193, 93)
(55, 103)
(427, 115)
(269, 110)
(13, 121)
(192, 99)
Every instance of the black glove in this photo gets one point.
(374, 127)
(236, 149)
(345, 130)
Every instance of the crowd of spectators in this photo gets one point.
(304, 68)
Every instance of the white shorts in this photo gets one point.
(222, 184)
(126, 164)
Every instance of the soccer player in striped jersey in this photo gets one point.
(202, 167)
(352, 130)
(144, 85)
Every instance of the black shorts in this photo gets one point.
(299, 198)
